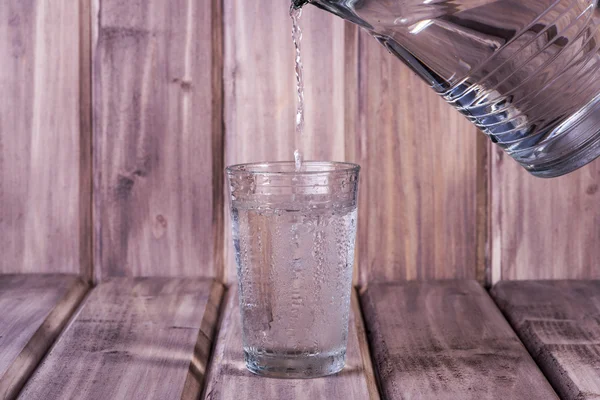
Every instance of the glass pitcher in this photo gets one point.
(526, 73)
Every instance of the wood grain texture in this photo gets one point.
(147, 338)
(45, 222)
(544, 228)
(157, 138)
(483, 265)
(559, 322)
(260, 93)
(228, 377)
(417, 213)
(35, 308)
(446, 340)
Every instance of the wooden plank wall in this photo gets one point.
(418, 201)
(259, 85)
(544, 228)
(180, 90)
(45, 185)
(157, 138)
(418, 209)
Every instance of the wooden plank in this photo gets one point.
(35, 308)
(45, 217)
(483, 267)
(228, 377)
(260, 93)
(559, 322)
(446, 340)
(147, 338)
(544, 228)
(157, 138)
(418, 213)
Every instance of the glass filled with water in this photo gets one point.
(294, 233)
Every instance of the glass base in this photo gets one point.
(289, 365)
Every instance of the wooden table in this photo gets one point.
(33, 311)
(447, 340)
(559, 322)
(172, 338)
(133, 339)
(229, 379)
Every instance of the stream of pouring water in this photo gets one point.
(297, 37)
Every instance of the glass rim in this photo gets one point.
(260, 168)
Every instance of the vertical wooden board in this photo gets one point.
(418, 216)
(544, 228)
(260, 87)
(44, 140)
(157, 137)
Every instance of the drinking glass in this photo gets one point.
(294, 233)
